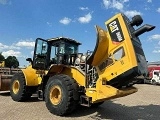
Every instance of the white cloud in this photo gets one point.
(114, 4)
(158, 10)
(49, 24)
(17, 46)
(5, 2)
(156, 51)
(83, 8)
(25, 44)
(65, 21)
(149, 1)
(155, 37)
(117, 5)
(125, 1)
(11, 53)
(14, 47)
(4, 47)
(132, 13)
(107, 3)
(85, 19)
(157, 47)
(32, 52)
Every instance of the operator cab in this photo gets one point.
(63, 50)
(58, 50)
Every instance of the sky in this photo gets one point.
(22, 21)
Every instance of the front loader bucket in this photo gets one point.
(6, 75)
(101, 48)
(5, 82)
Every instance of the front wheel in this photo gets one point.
(61, 94)
(18, 88)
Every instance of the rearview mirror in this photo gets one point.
(29, 60)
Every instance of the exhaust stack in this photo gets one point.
(143, 29)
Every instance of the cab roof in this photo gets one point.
(63, 39)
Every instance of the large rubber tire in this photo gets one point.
(18, 88)
(153, 82)
(61, 95)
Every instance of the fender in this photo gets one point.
(71, 71)
(31, 78)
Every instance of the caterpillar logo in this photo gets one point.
(115, 31)
(113, 26)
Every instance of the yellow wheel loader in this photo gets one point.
(64, 78)
(2, 63)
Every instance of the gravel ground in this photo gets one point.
(142, 105)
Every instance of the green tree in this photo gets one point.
(1, 57)
(11, 61)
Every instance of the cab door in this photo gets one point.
(41, 55)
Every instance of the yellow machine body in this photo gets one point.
(110, 58)
(2, 63)
(64, 78)
(104, 58)
(31, 76)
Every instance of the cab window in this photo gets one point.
(118, 54)
(71, 49)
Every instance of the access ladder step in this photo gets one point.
(40, 95)
(85, 101)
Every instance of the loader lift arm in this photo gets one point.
(118, 55)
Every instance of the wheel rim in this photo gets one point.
(16, 86)
(55, 95)
(153, 82)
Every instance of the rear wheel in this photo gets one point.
(153, 82)
(61, 95)
(18, 88)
